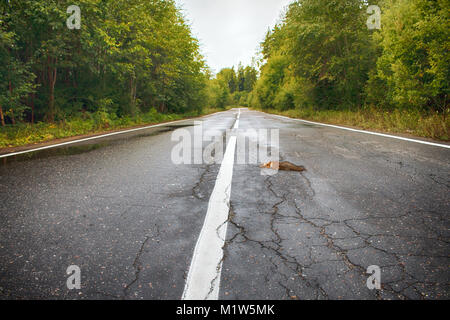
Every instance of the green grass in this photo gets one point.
(432, 125)
(89, 123)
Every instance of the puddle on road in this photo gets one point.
(301, 125)
(58, 151)
(84, 147)
(179, 126)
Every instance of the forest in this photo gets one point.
(322, 62)
(136, 61)
(132, 61)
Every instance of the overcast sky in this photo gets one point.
(230, 30)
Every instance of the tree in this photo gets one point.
(414, 65)
(16, 80)
(128, 57)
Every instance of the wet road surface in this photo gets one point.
(130, 218)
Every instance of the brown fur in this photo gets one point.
(283, 165)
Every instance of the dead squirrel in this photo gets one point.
(283, 165)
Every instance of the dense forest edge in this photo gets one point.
(135, 62)
(131, 62)
(323, 63)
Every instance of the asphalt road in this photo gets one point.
(121, 210)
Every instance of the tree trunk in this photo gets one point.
(162, 107)
(33, 96)
(13, 119)
(2, 117)
(51, 82)
(133, 84)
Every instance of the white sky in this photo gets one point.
(230, 31)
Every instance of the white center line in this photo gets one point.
(203, 280)
(236, 124)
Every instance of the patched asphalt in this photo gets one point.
(129, 218)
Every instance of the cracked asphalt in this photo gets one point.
(129, 218)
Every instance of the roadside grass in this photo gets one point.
(88, 123)
(432, 125)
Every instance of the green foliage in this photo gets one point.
(323, 45)
(231, 88)
(323, 57)
(322, 63)
(84, 123)
(129, 57)
(414, 66)
(136, 61)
